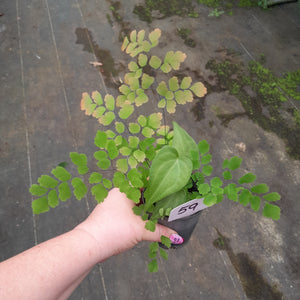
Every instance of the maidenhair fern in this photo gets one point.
(129, 146)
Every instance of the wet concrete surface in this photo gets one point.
(234, 252)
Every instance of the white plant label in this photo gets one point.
(186, 209)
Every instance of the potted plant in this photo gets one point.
(167, 167)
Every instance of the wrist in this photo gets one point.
(97, 242)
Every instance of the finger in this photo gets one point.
(159, 231)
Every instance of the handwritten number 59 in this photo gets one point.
(183, 209)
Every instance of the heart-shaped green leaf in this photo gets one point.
(183, 142)
(169, 173)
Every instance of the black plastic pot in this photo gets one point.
(184, 227)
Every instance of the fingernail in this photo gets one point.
(176, 239)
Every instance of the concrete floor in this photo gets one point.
(44, 68)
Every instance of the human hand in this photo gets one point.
(116, 228)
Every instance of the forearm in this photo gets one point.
(53, 269)
(49, 269)
(68, 292)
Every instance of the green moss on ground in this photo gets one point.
(184, 33)
(116, 16)
(187, 8)
(166, 9)
(264, 96)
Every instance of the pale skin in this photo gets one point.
(53, 269)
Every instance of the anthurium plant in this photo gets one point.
(145, 154)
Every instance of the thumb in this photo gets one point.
(162, 230)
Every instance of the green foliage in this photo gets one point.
(271, 211)
(234, 163)
(47, 181)
(79, 160)
(207, 170)
(134, 46)
(272, 197)
(248, 178)
(169, 173)
(64, 191)
(183, 142)
(272, 89)
(255, 202)
(40, 205)
(150, 225)
(244, 197)
(152, 266)
(141, 152)
(168, 203)
(227, 175)
(163, 254)
(61, 174)
(99, 192)
(53, 200)
(155, 62)
(263, 4)
(172, 60)
(153, 252)
(260, 189)
(80, 188)
(216, 13)
(227, 6)
(203, 147)
(37, 190)
(95, 178)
